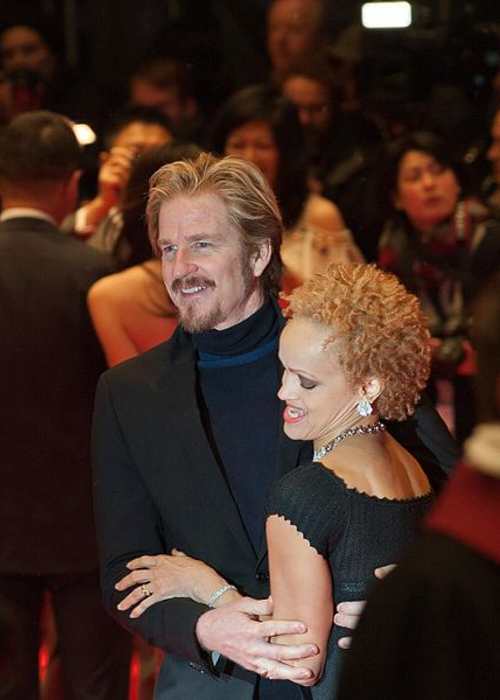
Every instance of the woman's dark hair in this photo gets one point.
(424, 141)
(133, 247)
(263, 103)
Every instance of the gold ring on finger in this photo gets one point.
(145, 591)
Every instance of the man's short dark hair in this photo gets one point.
(38, 146)
(130, 115)
(165, 72)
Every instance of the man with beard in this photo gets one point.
(188, 440)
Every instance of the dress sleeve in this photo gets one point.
(314, 501)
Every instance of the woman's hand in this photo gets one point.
(163, 576)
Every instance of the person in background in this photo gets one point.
(51, 361)
(294, 31)
(260, 125)
(33, 74)
(129, 133)
(491, 186)
(164, 84)
(443, 247)
(441, 639)
(130, 309)
(341, 146)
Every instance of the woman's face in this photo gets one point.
(320, 402)
(426, 190)
(255, 142)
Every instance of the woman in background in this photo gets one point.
(443, 247)
(260, 125)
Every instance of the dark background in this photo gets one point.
(223, 41)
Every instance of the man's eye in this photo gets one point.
(306, 383)
(201, 245)
(167, 250)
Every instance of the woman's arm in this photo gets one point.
(301, 589)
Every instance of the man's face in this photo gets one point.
(24, 48)
(164, 99)
(292, 27)
(312, 100)
(206, 271)
(138, 136)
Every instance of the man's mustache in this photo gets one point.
(187, 282)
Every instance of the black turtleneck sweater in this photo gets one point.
(238, 373)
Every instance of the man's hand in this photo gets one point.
(348, 614)
(235, 631)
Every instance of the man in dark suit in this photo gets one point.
(188, 439)
(51, 361)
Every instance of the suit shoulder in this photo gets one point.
(152, 365)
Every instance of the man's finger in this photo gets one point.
(344, 642)
(252, 606)
(277, 671)
(289, 652)
(348, 614)
(384, 570)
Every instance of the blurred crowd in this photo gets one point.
(415, 189)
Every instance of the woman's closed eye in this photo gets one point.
(306, 383)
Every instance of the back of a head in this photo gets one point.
(38, 147)
(166, 72)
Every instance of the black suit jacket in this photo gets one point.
(50, 361)
(158, 486)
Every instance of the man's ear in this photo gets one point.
(260, 259)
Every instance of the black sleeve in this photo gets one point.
(309, 499)
(128, 526)
(427, 438)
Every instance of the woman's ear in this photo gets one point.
(371, 389)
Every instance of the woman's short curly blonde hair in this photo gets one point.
(379, 331)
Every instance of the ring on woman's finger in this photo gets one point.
(145, 591)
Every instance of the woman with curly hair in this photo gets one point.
(355, 352)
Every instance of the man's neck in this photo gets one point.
(35, 205)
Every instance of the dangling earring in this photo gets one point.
(364, 407)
